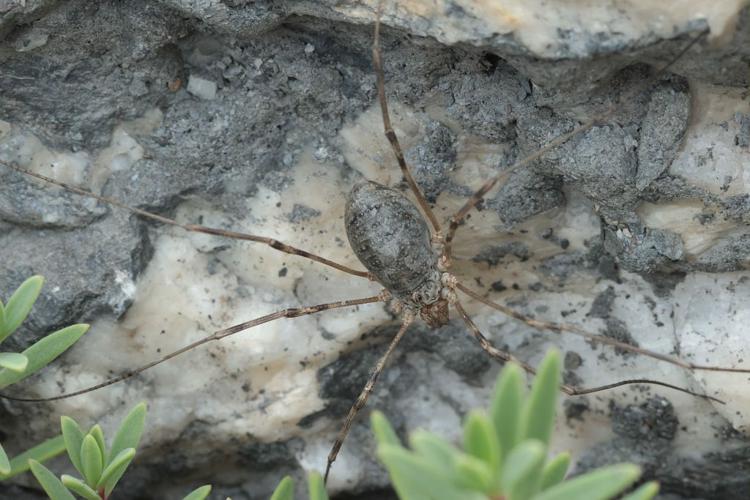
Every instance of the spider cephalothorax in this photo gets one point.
(391, 238)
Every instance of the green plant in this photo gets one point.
(17, 366)
(315, 487)
(505, 452)
(504, 456)
(100, 467)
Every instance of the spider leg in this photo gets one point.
(366, 391)
(479, 195)
(567, 389)
(377, 62)
(292, 312)
(271, 242)
(560, 328)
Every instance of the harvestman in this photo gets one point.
(413, 269)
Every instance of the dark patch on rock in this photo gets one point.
(31, 205)
(432, 160)
(302, 213)
(651, 421)
(729, 254)
(572, 361)
(486, 104)
(526, 193)
(608, 268)
(563, 266)
(664, 284)
(266, 456)
(737, 207)
(642, 249)
(724, 474)
(601, 307)
(575, 409)
(374, 494)
(20, 493)
(455, 346)
(618, 330)
(743, 136)
(662, 130)
(643, 435)
(84, 283)
(343, 380)
(495, 254)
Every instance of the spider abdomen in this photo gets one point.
(391, 239)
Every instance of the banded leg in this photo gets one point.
(271, 242)
(567, 389)
(366, 391)
(478, 196)
(389, 133)
(560, 328)
(291, 312)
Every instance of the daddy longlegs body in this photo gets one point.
(423, 289)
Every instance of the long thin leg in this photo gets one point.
(366, 391)
(292, 312)
(567, 389)
(389, 133)
(271, 242)
(599, 339)
(477, 197)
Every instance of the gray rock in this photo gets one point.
(200, 87)
(662, 128)
(260, 149)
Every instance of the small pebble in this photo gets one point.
(200, 87)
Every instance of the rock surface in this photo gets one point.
(260, 116)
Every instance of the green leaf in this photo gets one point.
(91, 460)
(77, 486)
(316, 486)
(474, 474)
(52, 486)
(285, 490)
(434, 449)
(414, 478)
(505, 409)
(522, 473)
(555, 470)
(645, 492)
(480, 440)
(538, 414)
(601, 484)
(19, 305)
(73, 436)
(129, 433)
(199, 493)
(43, 352)
(41, 452)
(13, 361)
(2, 317)
(384, 433)
(98, 434)
(115, 469)
(4, 462)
